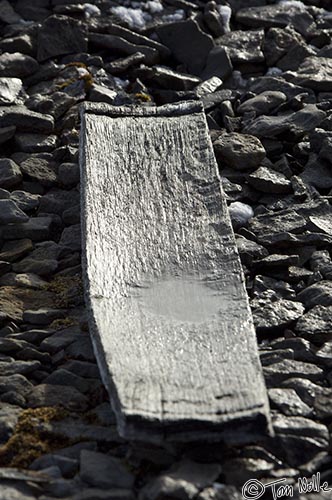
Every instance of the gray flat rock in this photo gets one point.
(10, 213)
(165, 300)
(289, 403)
(318, 294)
(104, 471)
(243, 46)
(42, 316)
(9, 90)
(10, 173)
(316, 324)
(278, 372)
(277, 315)
(7, 133)
(263, 103)
(40, 170)
(17, 65)
(14, 250)
(315, 73)
(184, 39)
(119, 45)
(36, 229)
(35, 143)
(25, 201)
(269, 181)
(24, 119)
(296, 124)
(60, 35)
(274, 16)
(52, 395)
(239, 151)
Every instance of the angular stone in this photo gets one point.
(58, 200)
(269, 181)
(278, 372)
(71, 237)
(14, 250)
(69, 174)
(23, 43)
(306, 389)
(295, 55)
(52, 395)
(24, 280)
(316, 324)
(276, 261)
(18, 367)
(68, 466)
(167, 78)
(99, 93)
(274, 15)
(300, 426)
(82, 368)
(10, 89)
(42, 316)
(55, 104)
(280, 222)
(296, 124)
(288, 402)
(318, 294)
(239, 151)
(277, 315)
(278, 41)
(60, 340)
(184, 480)
(10, 173)
(243, 46)
(40, 170)
(218, 64)
(7, 133)
(118, 44)
(36, 229)
(40, 267)
(324, 355)
(10, 213)
(64, 377)
(263, 103)
(16, 383)
(249, 250)
(277, 83)
(317, 173)
(59, 35)
(35, 143)
(315, 73)
(123, 64)
(104, 471)
(17, 65)
(25, 200)
(24, 119)
(184, 39)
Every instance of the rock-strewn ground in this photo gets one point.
(264, 72)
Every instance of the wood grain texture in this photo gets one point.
(169, 314)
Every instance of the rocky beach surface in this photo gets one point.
(263, 70)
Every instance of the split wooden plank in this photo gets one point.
(169, 314)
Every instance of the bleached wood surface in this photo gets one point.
(169, 315)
